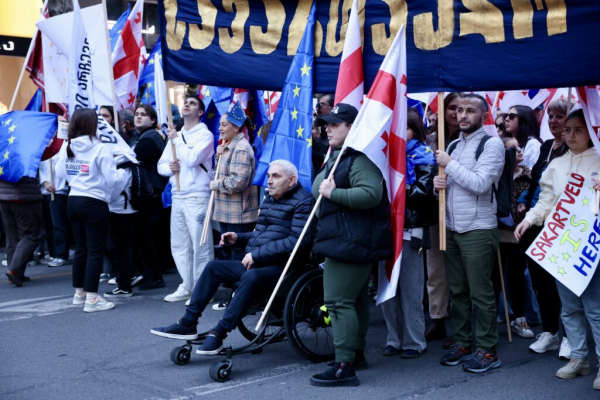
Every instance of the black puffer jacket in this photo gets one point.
(420, 201)
(278, 228)
(25, 189)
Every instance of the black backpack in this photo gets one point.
(504, 190)
(141, 188)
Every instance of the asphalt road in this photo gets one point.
(50, 349)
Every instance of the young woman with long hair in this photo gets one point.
(520, 122)
(90, 169)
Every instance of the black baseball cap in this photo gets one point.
(342, 112)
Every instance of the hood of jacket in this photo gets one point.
(83, 143)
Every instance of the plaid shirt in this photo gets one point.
(236, 200)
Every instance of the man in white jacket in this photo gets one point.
(195, 150)
(472, 235)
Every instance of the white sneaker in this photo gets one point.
(565, 350)
(79, 300)
(597, 380)
(187, 303)
(575, 366)
(179, 295)
(99, 305)
(57, 262)
(112, 281)
(545, 342)
(520, 327)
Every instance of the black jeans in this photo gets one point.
(90, 220)
(61, 228)
(252, 283)
(146, 243)
(120, 242)
(236, 253)
(24, 226)
(48, 226)
(543, 283)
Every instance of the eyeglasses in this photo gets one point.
(321, 104)
(512, 116)
(500, 126)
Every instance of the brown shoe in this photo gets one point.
(437, 330)
(13, 277)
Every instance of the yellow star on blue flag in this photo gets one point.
(22, 157)
(289, 138)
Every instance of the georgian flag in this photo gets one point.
(350, 87)
(589, 100)
(128, 58)
(379, 132)
(530, 98)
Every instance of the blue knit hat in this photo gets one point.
(236, 115)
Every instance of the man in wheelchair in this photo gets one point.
(282, 217)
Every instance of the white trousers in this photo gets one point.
(187, 221)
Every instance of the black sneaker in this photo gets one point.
(483, 362)
(176, 331)
(151, 285)
(340, 375)
(212, 345)
(118, 293)
(135, 280)
(456, 355)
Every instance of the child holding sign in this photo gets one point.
(578, 157)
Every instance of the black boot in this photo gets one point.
(340, 375)
(437, 330)
(360, 362)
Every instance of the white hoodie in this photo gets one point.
(92, 172)
(59, 184)
(555, 179)
(117, 203)
(197, 148)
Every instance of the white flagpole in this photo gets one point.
(112, 74)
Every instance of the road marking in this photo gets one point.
(275, 373)
(24, 301)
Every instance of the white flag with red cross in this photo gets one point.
(589, 99)
(379, 132)
(128, 58)
(350, 87)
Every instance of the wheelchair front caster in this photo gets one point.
(181, 355)
(220, 371)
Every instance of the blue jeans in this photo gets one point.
(575, 310)
(252, 282)
(237, 253)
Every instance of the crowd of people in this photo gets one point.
(113, 212)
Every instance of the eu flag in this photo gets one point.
(147, 76)
(290, 137)
(117, 28)
(36, 102)
(221, 96)
(212, 119)
(23, 137)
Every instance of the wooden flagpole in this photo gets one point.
(441, 132)
(300, 238)
(170, 120)
(213, 194)
(504, 297)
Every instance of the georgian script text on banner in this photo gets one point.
(469, 45)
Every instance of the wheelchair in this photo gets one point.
(298, 313)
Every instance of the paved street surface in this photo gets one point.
(50, 349)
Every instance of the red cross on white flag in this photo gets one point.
(379, 132)
(127, 57)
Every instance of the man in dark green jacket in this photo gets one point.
(353, 232)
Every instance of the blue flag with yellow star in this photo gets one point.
(23, 137)
(290, 137)
(212, 119)
(147, 77)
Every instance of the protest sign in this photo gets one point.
(452, 45)
(569, 244)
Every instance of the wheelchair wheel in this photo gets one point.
(181, 355)
(307, 327)
(248, 324)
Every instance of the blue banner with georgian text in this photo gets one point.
(453, 45)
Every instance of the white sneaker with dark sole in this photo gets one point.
(220, 306)
(99, 305)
